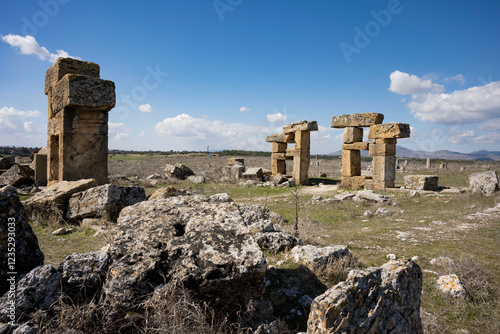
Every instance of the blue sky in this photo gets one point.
(191, 74)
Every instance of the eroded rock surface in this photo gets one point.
(17, 175)
(178, 171)
(484, 182)
(376, 300)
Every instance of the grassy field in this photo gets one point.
(427, 226)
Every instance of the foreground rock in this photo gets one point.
(421, 182)
(315, 257)
(15, 233)
(200, 243)
(485, 183)
(376, 300)
(17, 175)
(103, 202)
(370, 196)
(178, 171)
(52, 203)
(453, 286)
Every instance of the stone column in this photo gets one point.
(77, 127)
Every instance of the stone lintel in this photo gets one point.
(82, 91)
(276, 138)
(389, 130)
(357, 120)
(64, 66)
(363, 146)
(300, 126)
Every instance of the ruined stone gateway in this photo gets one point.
(77, 127)
(381, 146)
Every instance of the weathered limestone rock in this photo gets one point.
(315, 257)
(16, 176)
(178, 171)
(276, 241)
(352, 135)
(451, 284)
(253, 173)
(6, 162)
(382, 149)
(15, 232)
(442, 261)
(355, 182)
(53, 201)
(276, 138)
(232, 161)
(370, 196)
(384, 170)
(103, 202)
(198, 179)
(421, 182)
(484, 182)
(39, 165)
(344, 196)
(357, 120)
(376, 300)
(167, 192)
(300, 126)
(195, 241)
(428, 163)
(363, 146)
(389, 130)
(351, 163)
(77, 125)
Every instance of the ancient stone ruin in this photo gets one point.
(77, 127)
(300, 134)
(381, 145)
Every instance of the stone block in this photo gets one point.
(382, 149)
(484, 182)
(351, 163)
(276, 138)
(237, 172)
(253, 173)
(278, 166)
(389, 130)
(385, 141)
(354, 182)
(352, 135)
(384, 168)
(40, 167)
(361, 120)
(300, 126)
(231, 161)
(363, 146)
(300, 169)
(81, 91)
(278, 147)
(64, 66)
(421, 182)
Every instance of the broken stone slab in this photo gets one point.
(64, 66)
(16, 176)
(276, 241)
(6, 162)
(103, 202)
(315, 257)
(52, 202)
(300, 126)
(344, 196)
(196, 179)
(370, 196)
(167, 192)
(280, 138)
(376, 300)
(253, 173)
(357, 120)
(421, 182)
(81, 91)
(485, 183)
(279, 178)
(178, 171)
(453, 286)
(27, 251)
(356, 146)
(389, 130)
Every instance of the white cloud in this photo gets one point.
(458, 78)
(119, 131)
(145, 108)
(462, 106)
(12, 119)
(461, 136)
(29, 126)
(28, 45)
(277, 118)
(406, 84)
(491, 124)
(243, 109)
(492, 137)
(143, 133)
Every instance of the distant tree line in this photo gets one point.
(244, 153)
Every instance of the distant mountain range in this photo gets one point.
(403, 152)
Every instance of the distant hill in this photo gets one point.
(403, 152)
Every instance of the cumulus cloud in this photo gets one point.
(145, 108)
(457, 78)
(491, 124)
(461, 136)
(462, 106)
(119, 131)
(12, 119)
(490, 138)
(406, 84)
(28, 45)
(277, 118)
(243, 109)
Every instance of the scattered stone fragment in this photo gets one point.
(484, 182)
(254, 173)
(421, 182)
(391, 256)
(442, 261)
(382, 212)
(178, 171)
(451, 284)
(314, 257)
(344, 196)
(279, 178)
(277, 241)
(196, 179)
(376, 300)
(370, 196)
(167, 192)
(17, 175)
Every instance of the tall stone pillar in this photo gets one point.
(77, 127)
